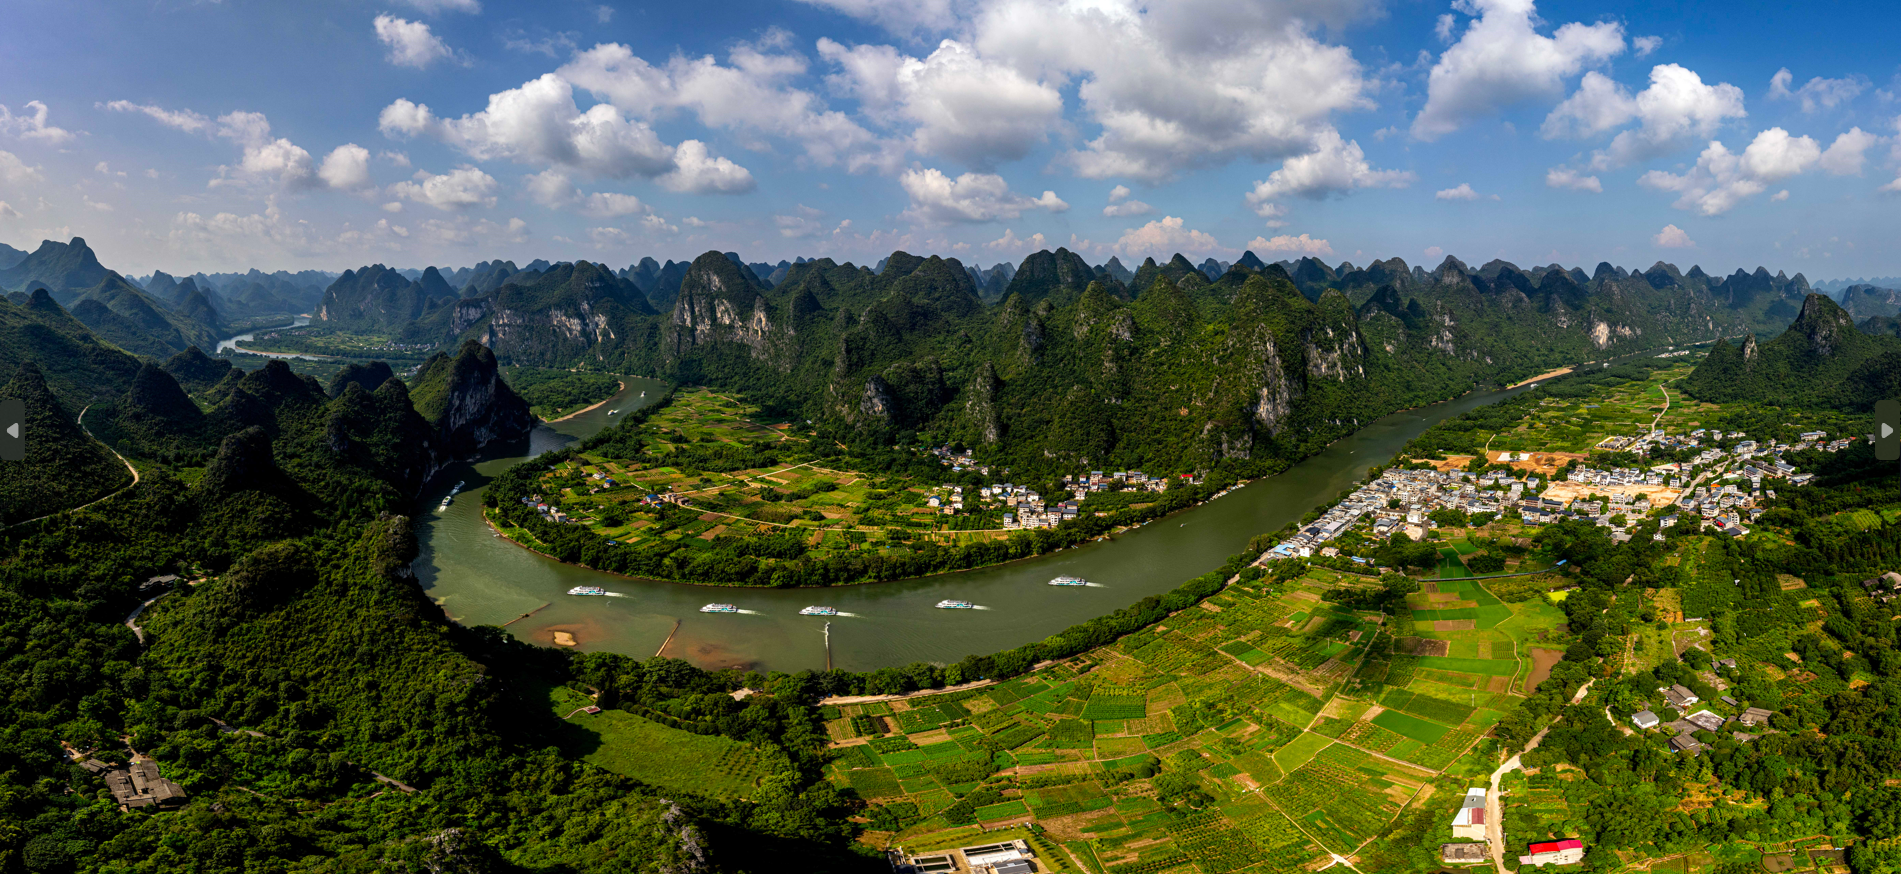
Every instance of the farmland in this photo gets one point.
(1262, 730)
(713, 477)
(622, 742)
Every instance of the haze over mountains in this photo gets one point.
(1170, 364)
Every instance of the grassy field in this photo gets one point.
(624, 743)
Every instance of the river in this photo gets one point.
(231, 343)
(480, 578)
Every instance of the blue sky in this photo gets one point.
(224, 135)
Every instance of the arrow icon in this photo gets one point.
(1887, 430)
(13, 430)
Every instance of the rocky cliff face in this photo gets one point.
(720, 303)
(464, 398)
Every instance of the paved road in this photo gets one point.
(115, 454)
(1494, 808)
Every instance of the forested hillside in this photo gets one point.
(1822, 360)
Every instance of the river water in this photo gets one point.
(480, 578)
(231, 343)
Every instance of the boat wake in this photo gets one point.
(617, 595)
(852, 615)
(978, 607)
(751, 612)
(1096, 585)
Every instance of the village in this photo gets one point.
(1723, 488)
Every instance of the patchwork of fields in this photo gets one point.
(1263, 730)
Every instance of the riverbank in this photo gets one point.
(622, 386)
(1543, 376)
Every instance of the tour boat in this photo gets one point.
(446, 502)
(719, 608)
(956, 605)
(1069, 581)
(587, 590)
(818, 611)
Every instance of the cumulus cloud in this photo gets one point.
(266, 160)
(461, 188)
(1677, 108)
(31, 124)
(964, 107)
(553, 189)
(538, 123)
(7, 210)
(1779, 196)
(1565, 177)
(1847, 154)
(695, 171)
(1644, 45)
(1502, 59)
(1302, 245)
(1120, 204)
(1463, 192)
(14, 171)
(1010, 242)
(1164, 238)
(751, 94)
(1722, 179)
(347, 168)
(1673, 237)
(1434, 253)
(1335, 166)
(410, 43)
(1817, 93)
(971, 197)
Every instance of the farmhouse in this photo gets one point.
(1755, 716)
(1566, 852)
(1469, 822)
(141, 786)
(1644, 719)
(1679, 696)
(1009, 857)
(1705, 720)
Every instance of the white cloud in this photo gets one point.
(903, 18)
(971, 197)
(347, 168)
(964, 107)
(461, 188)
(603, 13)
(461, 231)
(656, 224)
(553, 189)
(1501, 60)
(605, 238)
(1302, 245)
(538, 123)
(1847, 154)
(803, 221)
(1892, 187)
(394, 157)
(1434, 253)
(266, 160)
(31, 124)
(1010, 242)
(552, 45)
(1779, 196)
(1677, 108)
(1722, 179)
(697, 172)
(1120, 205)
(1817, 93)
(751, 95)
(1333, 167)
(1673, 237)
(1164, 238)
(1463, 192)
(7, 211)
(410, 43)
(103, 169)
(432, 7)
(1273, 212)
(1644, 45)
(1565, 177)
(184, 119)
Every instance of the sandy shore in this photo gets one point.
(623, 387)
(1543, 376)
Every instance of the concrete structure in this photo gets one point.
(1565, 852)
(1644, 719)
(1755, 716)
(140, 785)
(1705, 720)
(1469, 822)
(1464, 854)
(1009, 857)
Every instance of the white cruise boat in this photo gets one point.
(719, 608)
(956, 605)
(818, 611)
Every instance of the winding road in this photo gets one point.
(115, 454)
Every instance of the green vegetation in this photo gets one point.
(552, 394)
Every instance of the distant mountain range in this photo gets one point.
(1822, 360)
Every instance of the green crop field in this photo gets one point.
(1410, 726)
(624, 743)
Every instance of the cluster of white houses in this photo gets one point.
(1403, 500)
(1023, 508)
